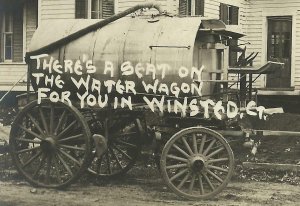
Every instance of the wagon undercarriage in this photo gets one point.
(52, 145)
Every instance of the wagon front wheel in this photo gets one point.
(197, 163)
(50, 144)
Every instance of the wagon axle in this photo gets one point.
(196, 164)
(48, 145)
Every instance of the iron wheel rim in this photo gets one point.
(204, 166)
(58, 152)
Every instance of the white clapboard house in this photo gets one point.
(271, 26)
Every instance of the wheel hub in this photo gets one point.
(48, 145)
(197, 164)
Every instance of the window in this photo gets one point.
(229, 14)
(11, 34)
(191, 7)
(8, 36)
(94, 9)
(81, 9)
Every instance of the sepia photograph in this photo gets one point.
(141, 103)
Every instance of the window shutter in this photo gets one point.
(199, 7)
(18, 35)
(183, 7)
(235, 15)
(81, 9)
(1, 38)
(107, 8)
(224, 13)
(189, 7)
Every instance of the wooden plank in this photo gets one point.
(280, 133)
(268, 92)
(214, 71)
(54, 8)
(19, 87)
(11, 73)
(231, 133)
(57, 11)
(61, 9)
(276, 3)
(46, 17)
(272, 166)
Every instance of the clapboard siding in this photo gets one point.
(124, 4)
(12, 73)
(256, 31)
(170, 6)
(251, 22)
(212, 10)
(254, 36)
(31, 19)
(297, 50)
(57, 9)
(212, 7)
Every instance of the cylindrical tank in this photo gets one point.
(164, 43)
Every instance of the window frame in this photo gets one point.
(231, 19)
(98, 11)
(190, 7)
(89, 8)
(202, 7)
(5, 34)
(85, 10)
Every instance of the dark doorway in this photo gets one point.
(279, 49)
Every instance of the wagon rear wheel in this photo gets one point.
(197, 163)
(123, 146)
(50, 144)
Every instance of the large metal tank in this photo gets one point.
(162, 40)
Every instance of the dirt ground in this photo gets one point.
(143, 186)
(145, 191)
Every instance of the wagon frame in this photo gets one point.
(52, 144)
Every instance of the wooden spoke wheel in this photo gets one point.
(50, 144)
(197, 163)
(123, 146)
